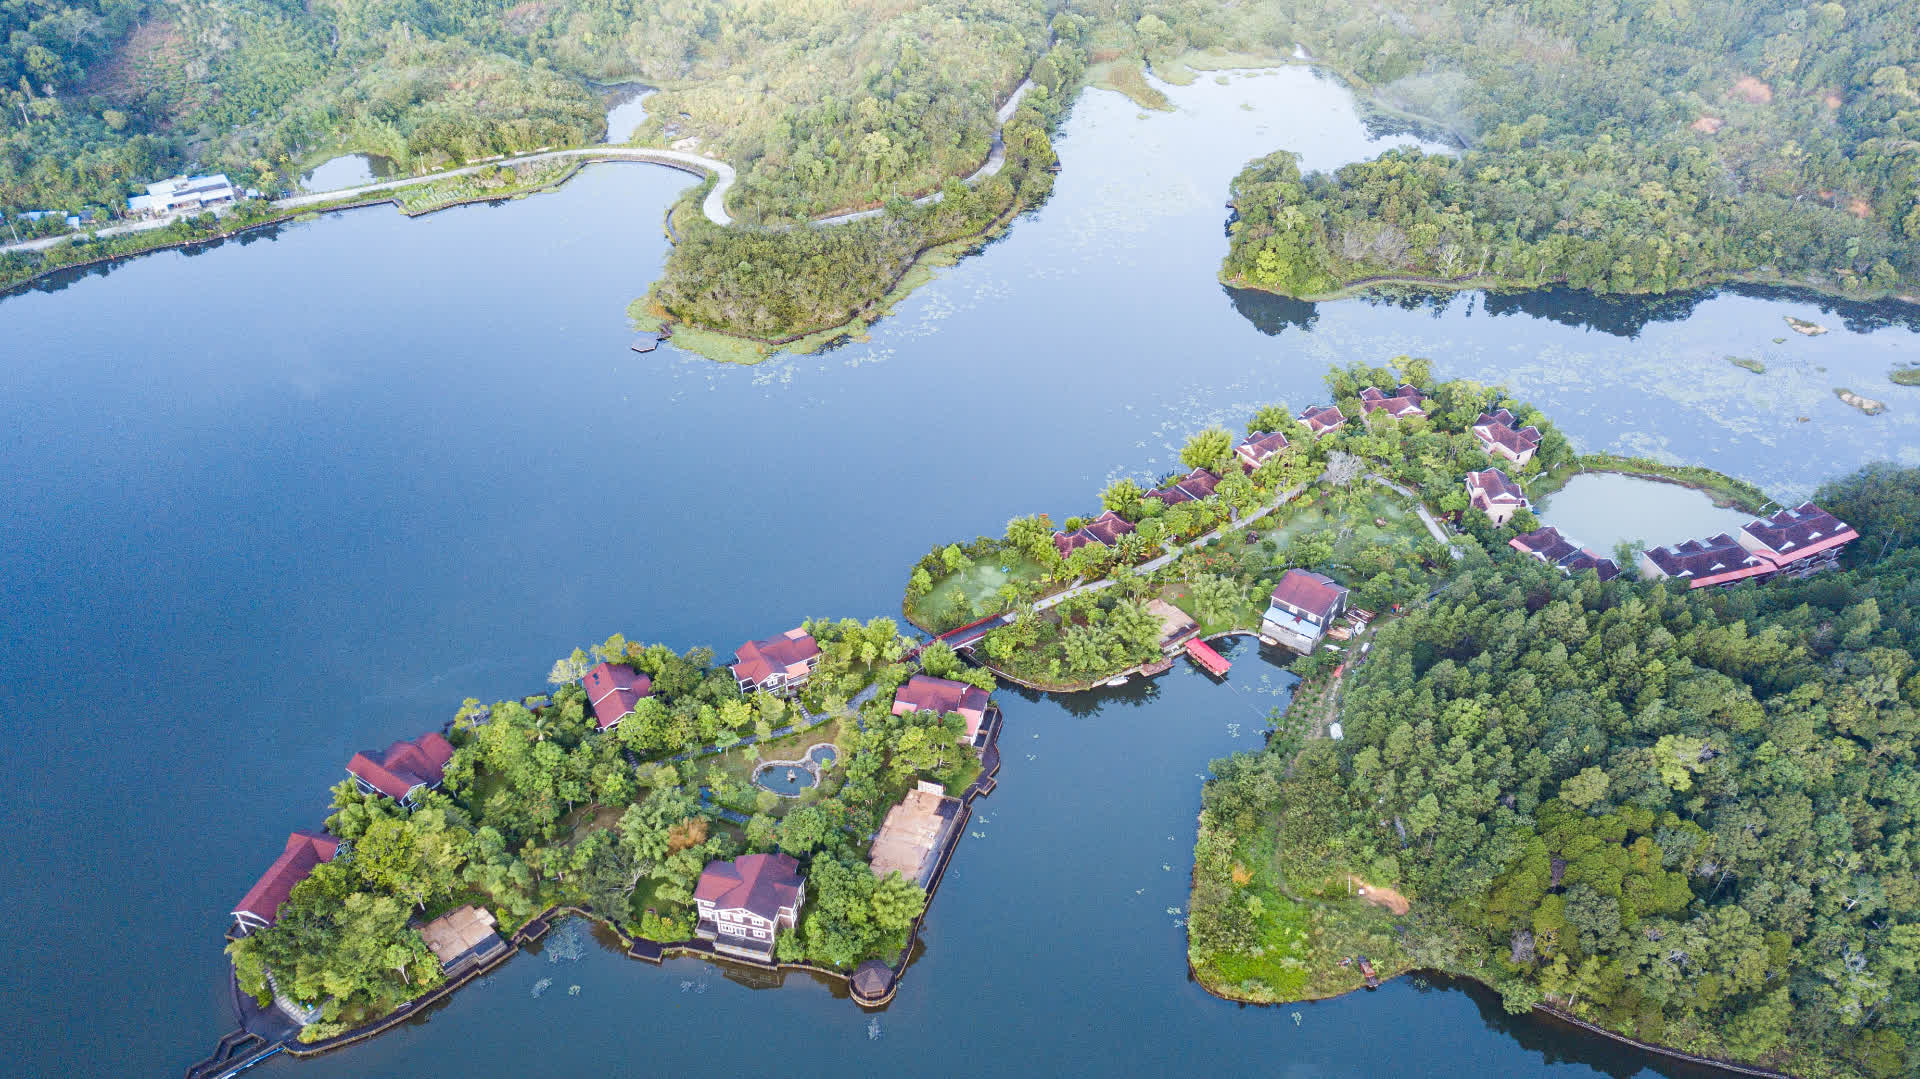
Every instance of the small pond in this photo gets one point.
(822, 755)
(347, 170)
(1599, 509)
(626, 112)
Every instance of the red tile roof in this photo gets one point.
(613, 690)
(925, 693)
(787, 654)
(304, 851)
(1582, 560)
(1322, 418)
(1715, 560)
(1491, 487)
(1496, 429)
(1797, 533)
(1549, 546)
(404, 766)
(1405, 401)
(1193, 487)
(1105, 530)
(1258, 448)
(760, 883)
(1315, 593)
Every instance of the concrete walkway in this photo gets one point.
(1433, 527)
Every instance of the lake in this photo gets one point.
(297, 494)
(1599, 509)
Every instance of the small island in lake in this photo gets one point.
(794, 810)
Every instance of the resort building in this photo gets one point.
(182, 193)
(1104, 530)
(743, 904)
(405, 770)
(1323, 419)
(1303, 605)
(1549, 546)
(779, 665)
(1799, 541)
(1195, 486)
(1704, 563)
(463, 938)
(1404, 403)
(614, 690)
(943, 696)
(1259, 448)
(1492, 493)
(913, 833)
(261, 905)
(1498, 437)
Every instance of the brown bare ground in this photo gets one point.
(1752, 89)
(1833, 100)
(1707, 125)
(151, 54)
(1380, 897)
(1860, 209)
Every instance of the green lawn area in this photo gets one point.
(979, 585)
(737, 764)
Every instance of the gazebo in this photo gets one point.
(871, 980)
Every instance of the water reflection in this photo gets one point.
(1270, 313)
(1600, 509)
(348, 170)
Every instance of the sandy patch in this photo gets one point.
(1833, 100)
(1380, 897)
(1860, 209)
(1752, 89)
(1707, 125)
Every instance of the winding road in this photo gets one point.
(714, 206)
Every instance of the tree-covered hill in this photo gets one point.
(1633, 146)
(1688, 817)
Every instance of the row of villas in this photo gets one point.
(1796, 542)
(741, 903)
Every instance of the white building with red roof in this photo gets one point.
(1323, 419)
(778, 664)
(260, 907)
(1492, 493)
(405, 770)
(1799, 541)
(614, 690)
(1301, 608)
(1715, 560)
(1104, 530)
(1259, 448)
(1500, 438)
(1195, 486)
(1405, 403)
(743, 904)
(943, 696)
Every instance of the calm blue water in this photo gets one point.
(278, 500)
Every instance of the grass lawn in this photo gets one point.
(979, 585)
(738, 765)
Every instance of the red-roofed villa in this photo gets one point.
(1704, 563)
(1549, 546)
(1104, 530)
(405, 769)
(1322, 419)
(777, 665)
(261, 906)
(744, 903)
(1404, 403)
(1259, 448)
(1799, 541)
(925, 693)
(614, 689)
(1303, 605)
(1498, 437)
(1492, 493)
(1195, 486)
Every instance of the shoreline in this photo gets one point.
(1551, 1011)
(1491, 283)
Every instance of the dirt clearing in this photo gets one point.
(1379, 897)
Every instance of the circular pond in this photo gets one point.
(788, 778)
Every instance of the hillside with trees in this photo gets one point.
(1688, 817)
(1635, 147)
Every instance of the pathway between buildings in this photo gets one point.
(1426, 518)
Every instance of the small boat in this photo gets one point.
(1120, 681)
(1366, 971)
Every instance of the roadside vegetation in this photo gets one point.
(1683, 816)
(540, 809)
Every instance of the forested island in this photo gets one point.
(617, 810)
(1642, 147)
(1686, 816)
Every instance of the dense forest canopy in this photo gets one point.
(1687, 816)
(1636, 146)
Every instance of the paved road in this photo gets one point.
(715, 205)
(996, 160)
